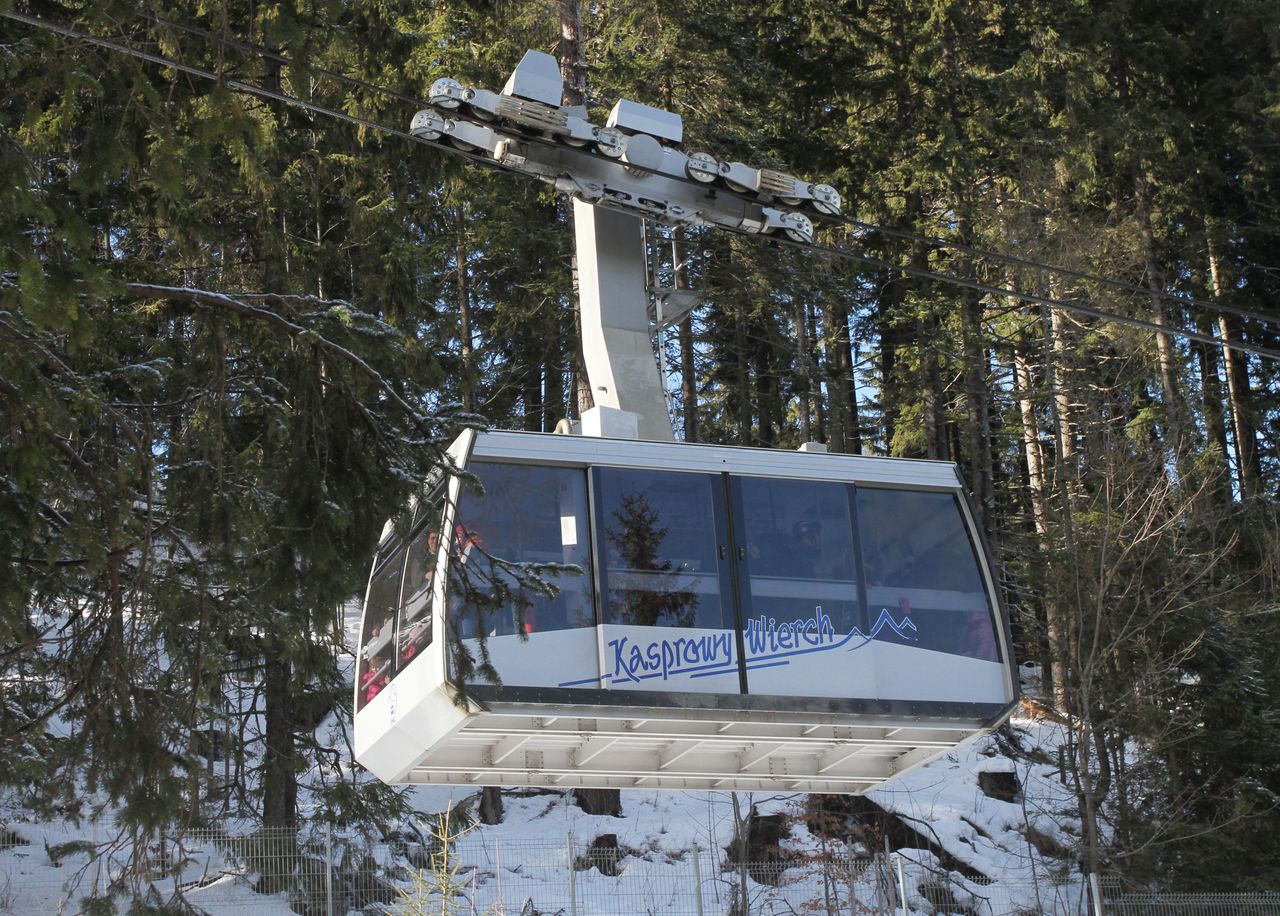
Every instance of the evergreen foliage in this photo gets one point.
(234, 336)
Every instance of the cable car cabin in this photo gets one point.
(721, 618)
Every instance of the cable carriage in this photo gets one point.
(725, 618)
(618, 610)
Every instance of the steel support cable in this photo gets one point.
(1016, 261)
(841, 220)
(241, 85)
(265, 52)
(1032, 298)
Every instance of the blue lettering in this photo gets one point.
(666, 657)
(765, 641)
(766, 636)
(621, 671)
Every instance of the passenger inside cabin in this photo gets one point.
(978, 639)
(807, 537)
(377, 676)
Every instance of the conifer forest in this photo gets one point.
(237, 332)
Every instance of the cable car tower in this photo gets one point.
(722, 617)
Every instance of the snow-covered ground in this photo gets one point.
(973, 855)
(525, 860)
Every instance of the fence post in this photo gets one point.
(848, 863)
(1095, 893)
(497, 855)
(573, 880)
(902, 888)
(328, 869)
(697, 880)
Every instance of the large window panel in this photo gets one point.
(378, 637)
(669, 625)
(660, 538)
(528, 515)
(417, 617)
(924, 584)
(800, 603)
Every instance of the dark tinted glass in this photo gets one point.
(417, 618)
(377, 642)
(801, 600)
(924, 585)
(659, 539)
(799, 550)
(528, 515)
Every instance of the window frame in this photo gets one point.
(731, 576)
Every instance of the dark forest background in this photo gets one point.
(235, 334)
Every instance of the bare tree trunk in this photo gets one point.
(688, 381)
(553, 372)
(1032, 446)
(853, 435)
(1053, 651)
(842, 352)
(768, 406)
(1248, 465)
(1061, 398)
(599, 801)
(1211, 398)
(573, 71)
(279, 775)
(806, 376)
(1060, 646)
(977, 396)
(742, 376)
(837, 410)
(935, 429)
(1165, 347)
(573, 64)
(466, 345)
(491, 805)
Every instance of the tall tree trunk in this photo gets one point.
(1211, 398)
(837, 390)
(814, 356)
(766, 396)
(573, 72)
(842, 355)
(688, 381)
(1061, 647)
(805, 372)
(740, 397)
(1248, 464)
(466, 344)
(1052, 654)
(279, 776)
(531, 395)
(1167, 351)
(553, 373)
(1065, 410)
(848, 360)
(981, 473)
(932, 395)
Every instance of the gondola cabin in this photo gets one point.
(720, 618)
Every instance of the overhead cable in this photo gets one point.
(934, 241)
(844, 253)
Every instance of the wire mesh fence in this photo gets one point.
(317, 872)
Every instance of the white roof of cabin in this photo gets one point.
(549, 448)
